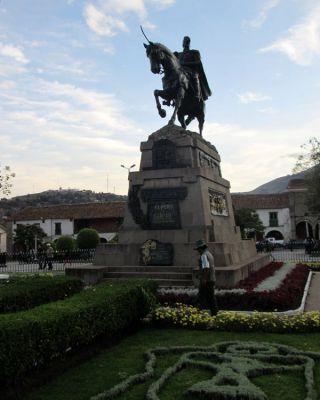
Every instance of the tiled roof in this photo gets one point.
(297, 184)
(260, 201)
(114, 209)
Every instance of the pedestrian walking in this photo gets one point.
(41, 258)
(49, 256)
(207, 279)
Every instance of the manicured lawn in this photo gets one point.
(115, 364)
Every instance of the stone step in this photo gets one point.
(149, 268)
(148, 275)
(161, 282)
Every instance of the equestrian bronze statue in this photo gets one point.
(184, 82)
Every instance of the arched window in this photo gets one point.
(304, 230)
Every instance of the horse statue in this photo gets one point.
(178, 89)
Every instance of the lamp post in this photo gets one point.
(128, 168)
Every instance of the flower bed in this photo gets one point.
(259, 276)
(286, 290)
(313, 266)
(190, 317)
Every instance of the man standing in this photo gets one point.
(206, 295)
(190, 60)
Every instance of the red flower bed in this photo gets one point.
(254, 279)
(287, 296)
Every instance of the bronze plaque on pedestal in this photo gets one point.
(153, 252)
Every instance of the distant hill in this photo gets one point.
(277, 185)
(53, 197)
(74, 196)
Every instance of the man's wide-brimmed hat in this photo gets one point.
(199, 244)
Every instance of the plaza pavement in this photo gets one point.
(313, 297)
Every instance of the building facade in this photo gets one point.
(61, 220)
(3, 238)
(284, 215)
(272, 209)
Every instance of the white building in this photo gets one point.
(3, 238)
(68, 219)
(272, 209)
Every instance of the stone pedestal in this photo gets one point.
(177, 197)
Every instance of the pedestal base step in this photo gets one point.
(161, 282)
(167, 275)
(164, 275)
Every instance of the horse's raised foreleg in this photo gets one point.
(158, 93)
(178, 102)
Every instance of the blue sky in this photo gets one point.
(76, 90)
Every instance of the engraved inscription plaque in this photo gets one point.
(163, 214)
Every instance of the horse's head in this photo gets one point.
(156, 56)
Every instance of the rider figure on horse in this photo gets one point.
(190, 60)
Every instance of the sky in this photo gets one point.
(76, 89)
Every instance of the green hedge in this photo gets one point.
(32, 338)
(23, 293)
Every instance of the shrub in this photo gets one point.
(87, 238)
(65, 243)
(31, 339)
(27, 292)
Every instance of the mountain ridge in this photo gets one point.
(55, 197)
(277, 185)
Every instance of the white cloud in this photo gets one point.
(101, 23)
(68, 131)
(6, 85)
(8, 50)
(251, 97)
(104, 19)
(9, 69)
(302, 43)
(261, 156)
(125, 6)
(109, 49)
(267, 110)
(162, 3)
(257, 22)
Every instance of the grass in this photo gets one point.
(114, 364)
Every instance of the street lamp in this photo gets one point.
(128, 168)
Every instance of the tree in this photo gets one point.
(5, 176)
(65, 243)
(26, 236)
(309, 161)
(87, 238)
(249, 222)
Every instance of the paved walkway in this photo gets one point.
(313, 297)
